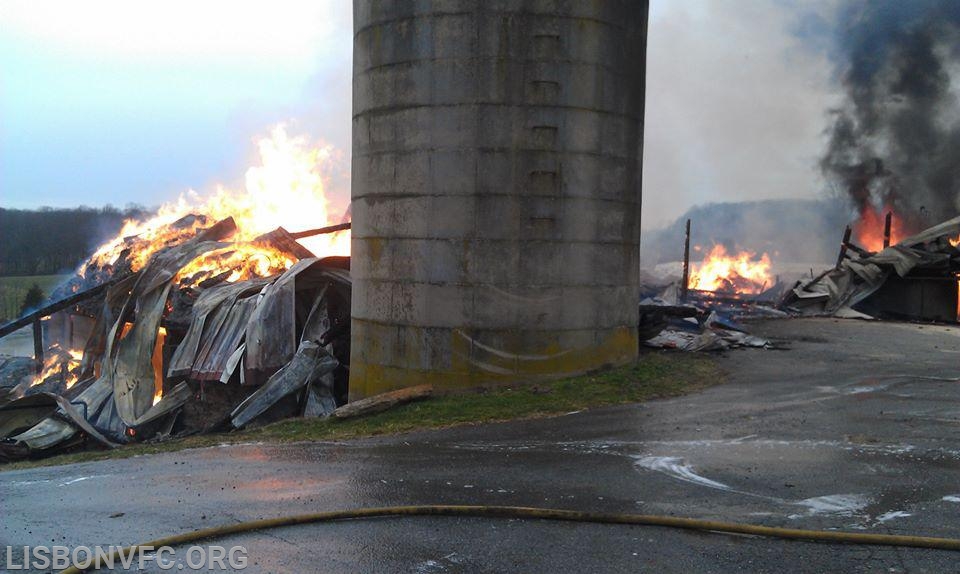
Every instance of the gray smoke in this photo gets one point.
(895, 139)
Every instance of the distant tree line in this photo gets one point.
(48, 240)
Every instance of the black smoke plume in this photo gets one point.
(895, 139)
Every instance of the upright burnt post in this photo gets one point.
(843, 245)
(685, 283)
(38, 344)
(886, 229)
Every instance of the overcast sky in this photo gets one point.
(114, 102)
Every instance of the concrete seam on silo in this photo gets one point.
(494, 195)
(435, 15)
(569, 61)
(491, 149)
(383, 110)
(475, 232)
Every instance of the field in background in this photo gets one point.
(13, 289)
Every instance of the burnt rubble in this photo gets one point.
(915, 279)
(164, 358)
(692, 320)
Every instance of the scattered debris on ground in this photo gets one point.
(692, 327)
(703, 320)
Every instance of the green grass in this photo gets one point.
(656, 375)
(13, 289)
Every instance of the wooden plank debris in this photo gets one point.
(382, 402)
(321, 230)
(284, 241)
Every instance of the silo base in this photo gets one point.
(477, 358)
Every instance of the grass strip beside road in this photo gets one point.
(656, 375)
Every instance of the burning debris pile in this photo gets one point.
(700, 311)
(193, 322)
(739, 274)
(914, 279)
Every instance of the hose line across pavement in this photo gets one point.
(546, 514)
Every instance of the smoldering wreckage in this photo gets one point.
(915, 279)
(259, 331)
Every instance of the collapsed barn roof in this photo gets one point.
(913, 279)
(275, 345)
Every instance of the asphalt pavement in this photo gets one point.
(855, 427)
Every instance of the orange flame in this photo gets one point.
(60, 361)
(286, 189)
(954, 242)
(868, 230)
(157, 363)
(242, 260)
(739, 273)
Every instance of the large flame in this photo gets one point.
(868, 230)
(738, 273)
(285, 190)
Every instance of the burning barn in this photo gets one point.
(207, 316)
(208, 334)
(913, 279)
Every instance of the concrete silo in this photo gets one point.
(497, 153)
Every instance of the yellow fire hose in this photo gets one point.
(547, 514)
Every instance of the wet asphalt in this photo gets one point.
(855, 428)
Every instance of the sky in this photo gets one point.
(133, 102)
(118, 102)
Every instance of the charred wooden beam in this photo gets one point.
(685, 282)
(856, 248)
(38, 344)
(218, 231)
(681, 311)
(820, 276)
(886, 229)
(321, 230)
(215, 280)
(54, 307)
(843, 245)
(706, 298)
(284, 241)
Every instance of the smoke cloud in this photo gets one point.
(894, 142)
(736, 95)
